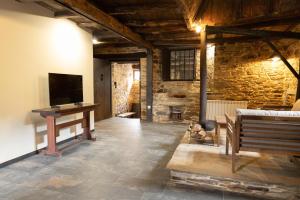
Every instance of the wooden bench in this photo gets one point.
(267, 134)
(127, 115)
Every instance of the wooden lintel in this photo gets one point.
(93, 13)
(273, 47)
(255, 33)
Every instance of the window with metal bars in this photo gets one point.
(180, 65)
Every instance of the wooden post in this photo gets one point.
(86, 126)
(149, 93)
(298, 87)
(203, 77)
(51, 133)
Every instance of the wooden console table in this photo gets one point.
(51, 114)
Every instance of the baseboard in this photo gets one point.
(17, 159)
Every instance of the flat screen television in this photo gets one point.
(65, 89)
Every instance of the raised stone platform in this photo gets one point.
(258, 175)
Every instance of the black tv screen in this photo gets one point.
(65, 89)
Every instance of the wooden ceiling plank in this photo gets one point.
(95, 14)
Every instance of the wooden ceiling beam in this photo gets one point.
(95, 14)
(283, 59)
(147, 8)
(201, 10)
(181, 35)
(154, 23)
(158, 30)
(189, 9)
(254, 33)
(196, 42)
(65, 14)
(265, 21)
(117, 50)
(122, 57)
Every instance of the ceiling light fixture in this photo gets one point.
(275, 59)
(198, 28)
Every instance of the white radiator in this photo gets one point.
(220, 107)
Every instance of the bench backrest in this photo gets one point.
(268, 134)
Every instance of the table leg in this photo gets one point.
(217, 135)
(51, 134)
(86, 127)
(227, 144)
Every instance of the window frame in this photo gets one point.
(167, 64)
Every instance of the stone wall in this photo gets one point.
(127, 91)
(165, 92)
(242, 71)
(246, 71)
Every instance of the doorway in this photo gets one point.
(126, 89)
(102, 89)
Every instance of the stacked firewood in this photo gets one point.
(196, 133)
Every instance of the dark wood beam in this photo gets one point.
(31, 1)
(298, 87)
(142, 9)
(122, 57)
(238, 9)
(106, 35)
(154, 23)
(114, 40)
(113, 45)
(270, 7)
(95, 14)
(117, 50)
(180, 35)
(189, 9)
(65, 14)
(203, 79)
(201, 10)
(196, 42)
(149, 92)
(284, 60)
(265, 21)
(254, 33)
(157, 30)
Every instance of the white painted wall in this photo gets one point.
(31, 46)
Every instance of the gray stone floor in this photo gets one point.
(126, 162)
